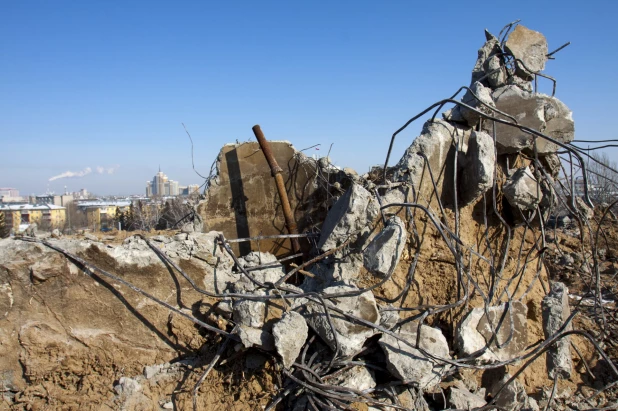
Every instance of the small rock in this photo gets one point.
(462, 399)
(512, 396)
(151, 370)
(359, 378)
(56, 233)
(127, 386)
(389, 319)
(290, 334)
(478, 97)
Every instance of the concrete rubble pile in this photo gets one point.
(399, 298)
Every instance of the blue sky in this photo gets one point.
(108, 84)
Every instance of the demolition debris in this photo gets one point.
(423, 285)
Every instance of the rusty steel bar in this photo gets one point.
(290, 222)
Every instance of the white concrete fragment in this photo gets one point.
(290, 334)
(384, 252)
(351, 215)
(412, 365)
(351, 336)
(522, 190)
(556, 310)
(474, 332)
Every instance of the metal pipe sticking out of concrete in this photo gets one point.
(290, 222)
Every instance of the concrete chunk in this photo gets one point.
(487, 60)
(522, 190)
(351, 336)
(384, 252)
(412, 365)
(438, 142)
(351, 215)
(250, 337)
(461, 399)
(477, 171)
(474, 332)
(528, 46)
(555, 312)
(290, 335)
(250, 313)
(536, 111)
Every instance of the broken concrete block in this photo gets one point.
(537, 111)
(530, 47)
(489, 59)
(351, 336)
(271, 274)
(512, 396)
(522, 190)
(480, 102)
(358, 378)
(290, 334)
(474, 333)
(351, 215)
(337, 272)
(384, 252)
(242, 200)
(555, 312)
(258, 337)
(439, 141)
(410, 364)
(461, 399)
(389, 319)
(477, 170)
(127, 386)
(249, 313)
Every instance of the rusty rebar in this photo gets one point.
(290, 222)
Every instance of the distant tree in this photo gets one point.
(603, 181)
(75, 219)
(174, 212)
(5, 230)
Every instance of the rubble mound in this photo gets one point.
(422, 286)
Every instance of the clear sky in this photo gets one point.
(87, 84)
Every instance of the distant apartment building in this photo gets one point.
(162, 186)
(60, 200)
(9, 192)
(11, 195)
(46, 216)
(102, 214)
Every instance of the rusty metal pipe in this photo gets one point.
(275, 170)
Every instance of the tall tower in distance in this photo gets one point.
(162, 186)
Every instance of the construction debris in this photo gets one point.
(428, 285)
